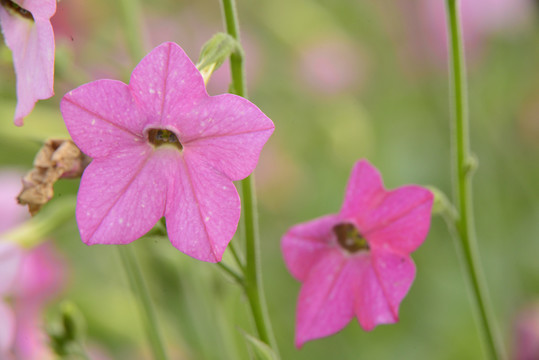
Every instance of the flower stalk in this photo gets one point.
(462, 173)
(252, 274)
(140, 290)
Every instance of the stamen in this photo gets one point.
(159, 137)
(13, 7)
(349, 238)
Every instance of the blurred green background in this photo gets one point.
(342, 80)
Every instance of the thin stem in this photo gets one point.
(462, 171)
(237, 277)
(252, 275)
(139, 289)
(236, 256)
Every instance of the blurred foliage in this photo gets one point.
(384, 97)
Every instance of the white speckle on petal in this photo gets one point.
(120, 221)
(207, 218)
(152, 91)
(93, 121)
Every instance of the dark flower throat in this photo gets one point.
(158, 137)
(349, 238)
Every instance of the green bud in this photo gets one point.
(215, 52)
(66, 329)
(441, 205)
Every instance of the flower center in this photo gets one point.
(159, 137)
(17, 9)
(349, 238)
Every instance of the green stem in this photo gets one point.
(462, 171)
(252, 275)
(130, 12)
(138, 287)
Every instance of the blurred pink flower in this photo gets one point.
(10, 258)
(357, 262)
(28, 33)
(29, 280)
(163, 147)
(39, 280)
(331, 65)
(526, 345)
(480, 18)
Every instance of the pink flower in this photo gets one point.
(10, 259)
(357, 262)
(526, 333)
(28, 33)
(28, 279)
(163, 147)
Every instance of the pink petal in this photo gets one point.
(7, 328)
(32, 44)
(10, 262)
(326, 299)
(363, 192)
(102, 117)
(39, 8)
(305, 244)
(381, 285)
(166, 84)
(122, 196)
(203, 210)
(401, 221)
(226, 130)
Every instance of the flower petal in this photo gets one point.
(228, 131)
(102, 117)
(167, 84)
(399, 218)
(363, 192)
(203, 210)
(32, 44)
(326, 299)
(121, 197)
(305, 244)
(7, 328)
(39, 8)
(381, 286)
(401, 221)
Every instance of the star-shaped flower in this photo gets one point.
(27, 30)
(357, 262)
(161, 146)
